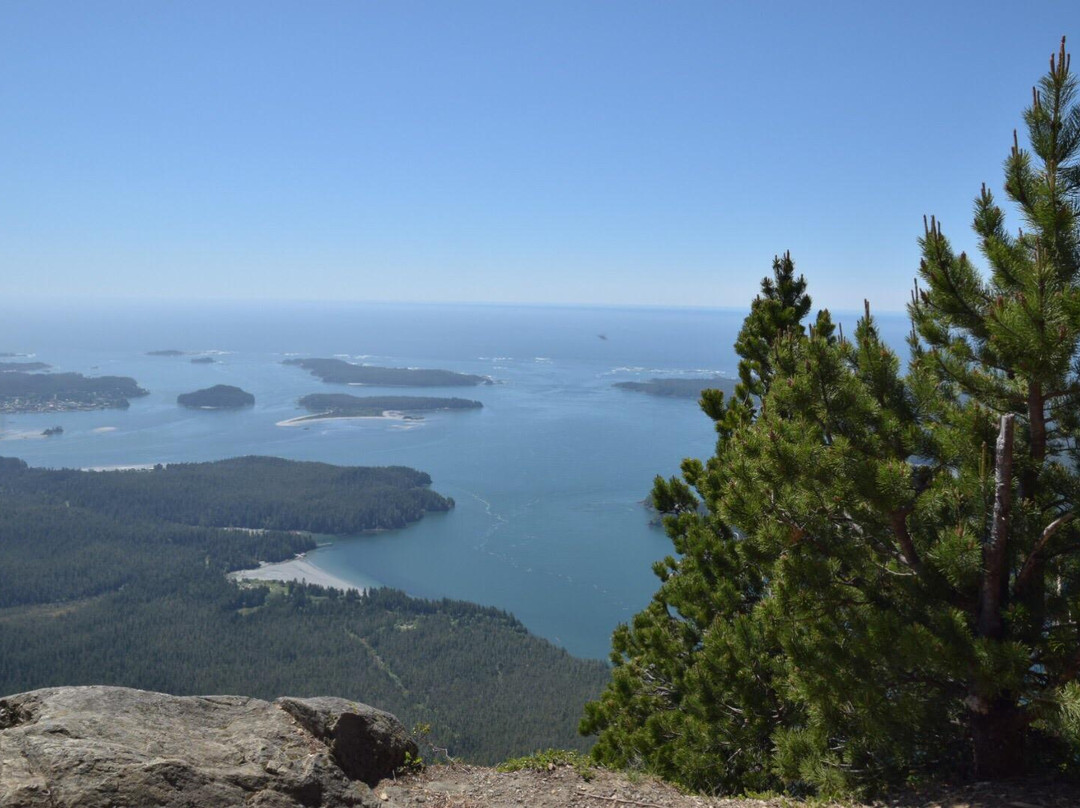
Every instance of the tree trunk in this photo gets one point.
(998, 732)
(994, 592)
(997, 724)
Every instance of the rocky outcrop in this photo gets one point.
(108, 746)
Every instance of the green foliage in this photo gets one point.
(37, 392)
(264, 493)
(551, 759)
(342, 404)
(98, 585)
(218, 397)
(885, 581)
(338, 371)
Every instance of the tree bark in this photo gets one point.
(997, 724)
(997, 734)
(993, 593)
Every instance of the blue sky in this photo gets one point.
(612, 152)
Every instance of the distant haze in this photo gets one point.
(622, 153)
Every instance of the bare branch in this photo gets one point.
(1023, 579)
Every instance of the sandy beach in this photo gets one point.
(300, 420)
(296, 569)
(129, 467)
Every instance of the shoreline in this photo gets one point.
(295, 569)
(123, 467)
(388, 415)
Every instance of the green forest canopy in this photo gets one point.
(885, 582)
(119, 578)
(344, 405)
(338, 371)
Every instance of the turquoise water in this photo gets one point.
(548, 477)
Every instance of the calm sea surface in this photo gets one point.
(548, 477)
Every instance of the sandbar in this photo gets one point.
(122, 467)
(388, 415)
(24, 435)
(295, 569)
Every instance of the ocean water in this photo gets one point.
(548, 477)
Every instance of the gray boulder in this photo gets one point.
(110, 746)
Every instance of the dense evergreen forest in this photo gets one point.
(338, 371)
(254, 492)
(344, 405)
(218, 397)
(119, 578)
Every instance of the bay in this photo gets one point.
(548, 478)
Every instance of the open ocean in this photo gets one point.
(548, 477)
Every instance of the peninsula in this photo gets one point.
(341, 405)
(65, 392)
(338, 371)
(678, 388)
(218, 397)
(106, 574)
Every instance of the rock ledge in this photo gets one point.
(109, 746)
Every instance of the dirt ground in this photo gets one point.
(460, 786)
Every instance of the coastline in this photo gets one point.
(122, 467)
(388, 415)
(295, 569)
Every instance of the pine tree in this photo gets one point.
(878, 573)
(1007, 346)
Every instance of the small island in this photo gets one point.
(166, 352)
(53, 430)
(22, 392)
(26, 367)
(338, 371)
(203, 360)
(339, 405)
(218, 397)
(679, 388)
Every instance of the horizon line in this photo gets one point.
(277, 301)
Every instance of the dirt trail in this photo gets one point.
(459, 786)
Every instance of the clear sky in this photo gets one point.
(614, 152)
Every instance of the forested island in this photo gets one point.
(26, 367)
(119, 578)
(65, 392)
(342, 405)
(338, 371)
(166, 352)
(218, 397)
(256, 492)
(678, 388)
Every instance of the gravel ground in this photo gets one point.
(460, 786)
